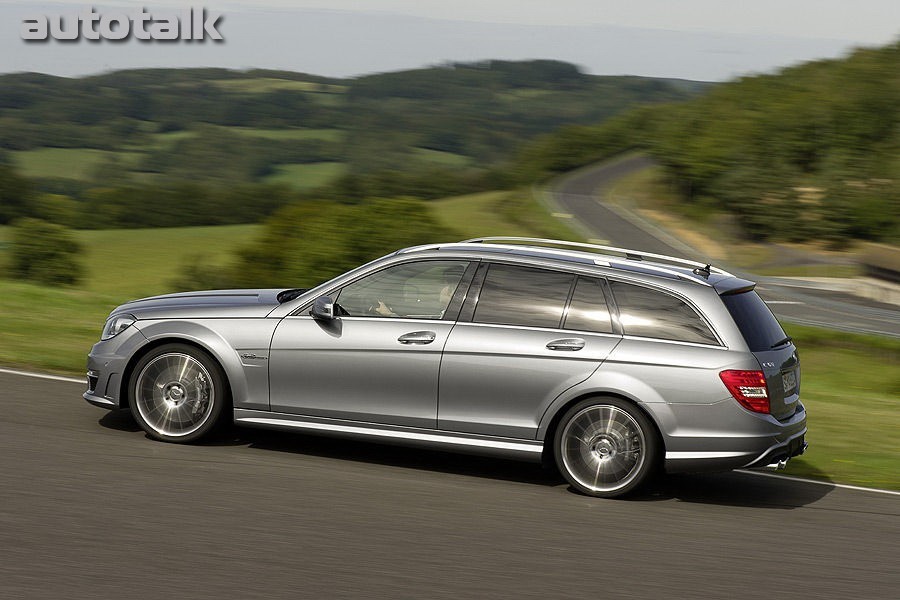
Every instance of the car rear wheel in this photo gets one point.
(606, 447)
(178, 393)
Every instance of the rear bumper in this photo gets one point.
(778, 456)
(725, 436)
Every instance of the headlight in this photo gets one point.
(116, 325)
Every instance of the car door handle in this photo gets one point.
(417, 337)
(569, 344)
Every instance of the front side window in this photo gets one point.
(523, 296)
(648, 313)
(420, 290)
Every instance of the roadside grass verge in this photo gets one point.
(647, 193)
(850, 385)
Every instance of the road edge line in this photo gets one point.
(828, 483)
(43, 376)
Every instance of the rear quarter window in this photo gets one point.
(648, 313)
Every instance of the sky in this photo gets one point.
(710, 40)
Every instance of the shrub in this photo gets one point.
(44, 252)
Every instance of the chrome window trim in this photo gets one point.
(543, 329)
(640, 338)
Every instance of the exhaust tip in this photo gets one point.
(778, 466)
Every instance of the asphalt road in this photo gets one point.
(91, 508)
(578, 195)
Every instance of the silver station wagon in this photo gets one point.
(610, 363)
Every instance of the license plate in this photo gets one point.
(789, 381)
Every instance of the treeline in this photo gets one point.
(172, 98)
(482, 111)
(485, 110)
(129, 205)
(812, 152)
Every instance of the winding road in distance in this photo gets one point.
(91, 508)
(579, 194)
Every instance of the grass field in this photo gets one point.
(69, 163)
(120, 265)
(289, 133)
(306, 176)
(263, 85)
(129, 263)
(499, 213)
(442, 159)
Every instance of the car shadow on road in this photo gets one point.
(727, 489)
(735, 488)
(120, 420)
(403, 457)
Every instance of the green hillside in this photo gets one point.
(809, 153)
(170, 121)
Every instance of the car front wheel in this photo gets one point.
(606, 447)
(177, 393)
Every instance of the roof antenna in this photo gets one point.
(703, 271)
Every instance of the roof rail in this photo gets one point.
(635, 255)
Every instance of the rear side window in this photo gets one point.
(758, 325)
(588, 310)
(523, 296)
(648, 313)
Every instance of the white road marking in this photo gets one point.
(44, 376)
(828, 483)
(559, 215)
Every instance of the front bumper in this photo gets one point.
(106, 366)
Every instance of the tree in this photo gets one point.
(15, 195)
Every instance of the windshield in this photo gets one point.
(756, 322)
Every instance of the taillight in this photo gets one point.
(748, 388)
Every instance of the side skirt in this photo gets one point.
(430, 438)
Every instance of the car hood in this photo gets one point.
(209, 304)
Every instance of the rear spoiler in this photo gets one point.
(733, 285)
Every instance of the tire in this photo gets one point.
(178, 393)
(606, 447)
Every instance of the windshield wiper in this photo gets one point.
(786, 340)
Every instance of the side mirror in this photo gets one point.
(323, 309)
